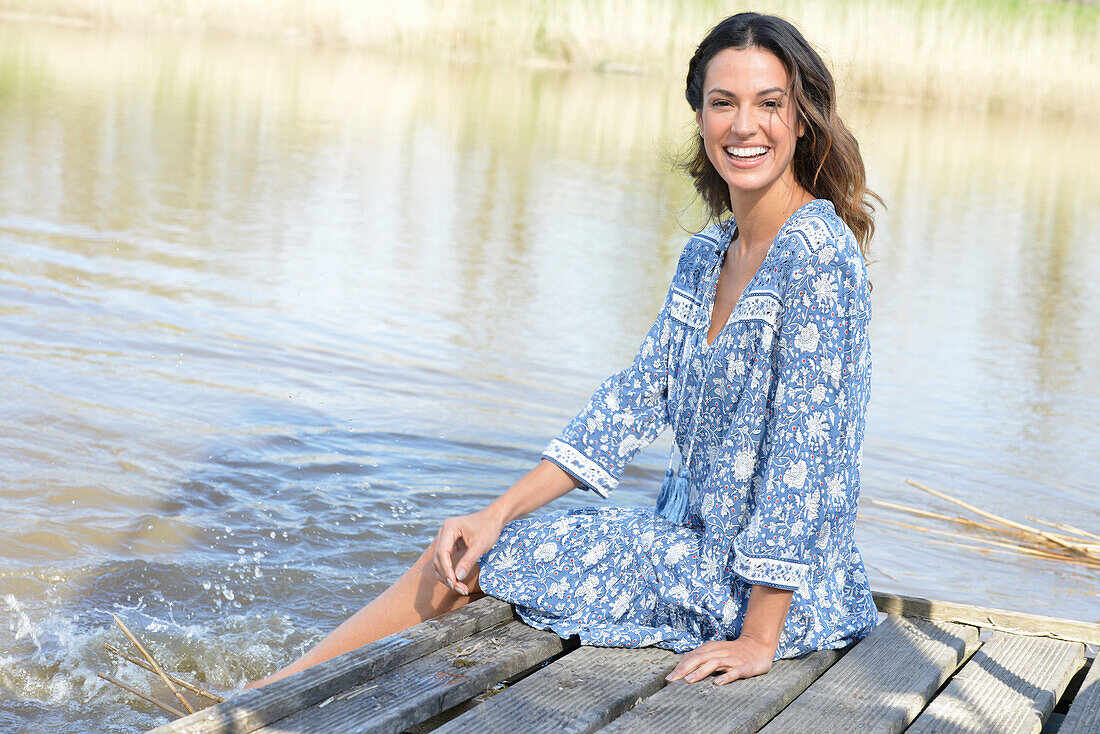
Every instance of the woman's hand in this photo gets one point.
(460, 542)
(740, 658)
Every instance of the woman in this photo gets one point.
(758, 360)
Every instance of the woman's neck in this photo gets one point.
(759, 217)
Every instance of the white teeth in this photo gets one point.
(746, 152)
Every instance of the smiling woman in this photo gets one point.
(791, 108)
(759, 362)
(747, 122)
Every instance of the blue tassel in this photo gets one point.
(672, 502)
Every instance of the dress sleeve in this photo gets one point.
(628, 411)
(814, 420)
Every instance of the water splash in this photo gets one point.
(22, 627)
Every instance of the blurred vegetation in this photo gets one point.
(1022, 57)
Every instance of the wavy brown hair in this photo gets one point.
(827, 161)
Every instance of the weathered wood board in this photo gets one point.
(422, 688)
(1083, 716)
(987, 618)
(431, 675)
(575, 694)
(1009, 686)
(883, 682)
(254, 709)
(741, 706)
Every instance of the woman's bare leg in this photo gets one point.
(417, 596)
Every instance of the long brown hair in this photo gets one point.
(827, 161)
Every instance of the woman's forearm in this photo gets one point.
(540, 486)
(463, 540)
(766, 614)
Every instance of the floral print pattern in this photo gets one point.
(768, 424)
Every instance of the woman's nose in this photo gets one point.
(743, 122)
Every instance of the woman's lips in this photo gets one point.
(746, 156)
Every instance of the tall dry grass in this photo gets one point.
(958, 151)
(1024, 57)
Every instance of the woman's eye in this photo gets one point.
(771, 104)
(719, 103)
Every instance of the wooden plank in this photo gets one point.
(884, 680)
(1010, 686)
(740, 706)
(1018, 623)
(256, 708)
(1083, 716)
(422, 688)
(580, 692)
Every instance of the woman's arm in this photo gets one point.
(627, 411)
(754, 649)
(463, 540)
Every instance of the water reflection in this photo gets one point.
(271, 313)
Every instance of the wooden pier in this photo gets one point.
(928, 667)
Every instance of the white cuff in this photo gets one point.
(770, 571)
(594, 476)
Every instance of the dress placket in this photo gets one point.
(673, 500)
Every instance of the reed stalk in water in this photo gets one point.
(1065, 542)
(1077, 549)
(170, 709)
(156, 667)
(196, 689)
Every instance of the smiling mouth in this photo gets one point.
(747, 154)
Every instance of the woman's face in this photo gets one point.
(749, 122)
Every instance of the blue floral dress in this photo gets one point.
(768, 426)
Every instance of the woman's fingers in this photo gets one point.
(452, 541)
(444, 547)
(744, 668)
(474, 550)
(464, 562)
(714, 657)
(692, 659)
(734, 671)
(460, 543)
(688, 663)
(481, 533)
(703, 669)
(731, 674)
(462, 569)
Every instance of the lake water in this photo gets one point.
(269, 314)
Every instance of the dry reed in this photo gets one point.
(1012, 536)
(1017, 547)
(155, 701)
(1078, 546)
(972, 54)
(156, 666)
(151, 665)
(174, 678)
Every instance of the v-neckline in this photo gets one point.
(716, 274)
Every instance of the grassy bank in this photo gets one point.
(1024, 57)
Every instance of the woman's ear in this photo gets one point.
(699, 121)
